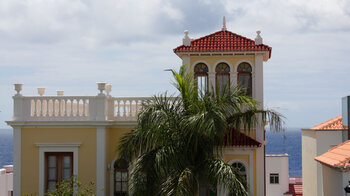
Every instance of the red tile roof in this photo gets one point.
(223, 41)
(295, 190)
(332, 124)
(337, 156)
(295, 180)
(239, 139)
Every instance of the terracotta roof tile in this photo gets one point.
(338, 156)
(223, 41)
(332, 124)
(295, 189)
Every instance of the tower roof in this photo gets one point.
(223, 41)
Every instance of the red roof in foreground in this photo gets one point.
(332, 124)
(295, 190)
(337, 156)
(223, 41)
(295, 186)
(239, 139)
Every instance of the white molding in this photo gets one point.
(101, 161)
(59, 147)
(17, 161)
(77, 144)
(71, 124)
(250, 172)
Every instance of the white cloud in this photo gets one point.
(71, 44)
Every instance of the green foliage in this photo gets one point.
(71, 187)
(178, 140)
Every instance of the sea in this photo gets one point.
(288, 141)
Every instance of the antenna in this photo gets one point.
(224, 24)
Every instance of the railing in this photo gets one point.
(59, 107)
(127, 108)
(77, 108)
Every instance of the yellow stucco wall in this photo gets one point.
(212, 60)
(30, 153)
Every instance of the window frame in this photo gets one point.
(246, 73)
(122, 170)
(201, 75)
(59, 166)
(56, 147)
(222, 73)
(273, 177)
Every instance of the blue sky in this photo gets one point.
(72, 44)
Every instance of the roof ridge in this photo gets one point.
(327, 124)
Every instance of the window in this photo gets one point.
(201, 76)
(121, 175)
(274, 179)
(58, 167)
(222, 77)
(245, 77)
(242, 170)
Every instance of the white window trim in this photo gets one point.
(55, 147)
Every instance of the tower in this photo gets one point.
(225, 58)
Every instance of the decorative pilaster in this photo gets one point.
(16, 161)
(101, 161)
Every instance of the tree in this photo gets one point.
(178, 140)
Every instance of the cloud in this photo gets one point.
(71, 44)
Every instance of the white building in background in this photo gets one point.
(6, 181)
(277, 177)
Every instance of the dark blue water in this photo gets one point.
(287, 142)
(284, 142)
(6, 147)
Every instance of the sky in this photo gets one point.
(72, 44)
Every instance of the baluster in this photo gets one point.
(130, 109)
(124, 108)
(54, 107)
(136, 107)
(84, 103)
(33, 107)
(78, 107)
(72, 107)
(118, 112)
(65, 113)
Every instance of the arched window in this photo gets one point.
(201, 76)
(222, 77)
(245, 77)
(242, 170)
(121, 175)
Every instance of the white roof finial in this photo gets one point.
(258, 39)
(224, 24)
(186, 41)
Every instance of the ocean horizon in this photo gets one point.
(288, 141)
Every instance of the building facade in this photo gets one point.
(56, 137)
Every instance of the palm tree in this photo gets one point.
(177, 144)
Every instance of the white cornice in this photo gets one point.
(65, 144)
(73, 124)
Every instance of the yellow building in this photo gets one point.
(56, 137)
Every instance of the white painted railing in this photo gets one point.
(102, 107)
(127, 108)
(76, 108)
(58, 107)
